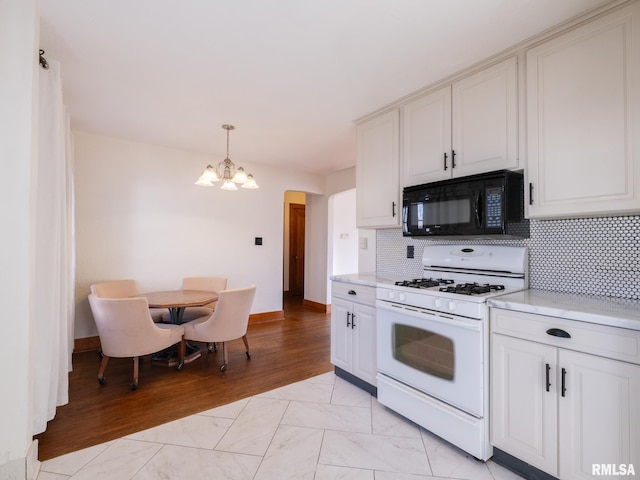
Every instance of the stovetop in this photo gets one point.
(460, 279)
(450, 286)
(424, 282)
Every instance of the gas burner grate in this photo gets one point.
(471, 288)
(424, 282)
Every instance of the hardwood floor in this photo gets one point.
(282, 352)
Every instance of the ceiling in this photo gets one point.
(291, 75)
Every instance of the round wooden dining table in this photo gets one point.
(176, 301)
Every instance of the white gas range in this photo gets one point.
(433, 341)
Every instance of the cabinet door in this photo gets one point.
(583, 119)
(364, 343)
(377, 172)
(523, 413)
(485, 120)
(599, 414)
(340, 333)
(426, 138)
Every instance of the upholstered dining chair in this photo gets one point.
(228, 321)
(124, 289)
(208, 284)
(126, 329)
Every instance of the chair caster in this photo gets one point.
(180, 365)
(248, 354)
(134, 386)
(223, 367)
(102, 380)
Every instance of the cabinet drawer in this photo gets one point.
(611, 342)
(354, 292)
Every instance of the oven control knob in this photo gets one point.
(452, 306)
(392, 295)
(402, 297)
(439, 303)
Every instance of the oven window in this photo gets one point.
(426, 351)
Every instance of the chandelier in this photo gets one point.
(226, 171)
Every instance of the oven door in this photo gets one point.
(440, 355)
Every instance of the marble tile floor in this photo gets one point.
(318, 429)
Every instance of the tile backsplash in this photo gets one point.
(593, 256)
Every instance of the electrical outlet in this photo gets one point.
(258, 241)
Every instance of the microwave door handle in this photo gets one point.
(479, 210)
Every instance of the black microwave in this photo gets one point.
(489, 205)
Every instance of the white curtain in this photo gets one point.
(51, 332)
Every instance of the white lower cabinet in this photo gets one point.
(599, 419)
(353, 330)
(523, 414)
(568, 413)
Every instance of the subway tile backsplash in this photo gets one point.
(593, 256)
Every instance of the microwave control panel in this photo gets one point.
(494, 202)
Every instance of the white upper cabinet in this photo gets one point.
(468, 127)
(426, 135)
(583, 119)
(377, 172)
(485, 120)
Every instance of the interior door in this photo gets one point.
(296, 248)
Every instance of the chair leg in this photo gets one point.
(246, 346)
(182, 349)
(134, 384)
(103, 367)
(223, 367)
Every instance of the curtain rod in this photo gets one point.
(43, 61)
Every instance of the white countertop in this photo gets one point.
(371, 279)
(615, 312)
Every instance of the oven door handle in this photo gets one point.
(422, 314)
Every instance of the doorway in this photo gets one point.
(294, 244)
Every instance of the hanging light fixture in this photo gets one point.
(226, 172)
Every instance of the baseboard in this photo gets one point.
(86, 344)
(33, 464)
(316, 307)
(255, 318)
(367, 387)
(93, 343)
(518, 466)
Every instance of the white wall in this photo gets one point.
(343, 247)
(367, 245)
(18, 87)
(316, 280)
(139, 215)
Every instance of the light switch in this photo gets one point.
(363, 243)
